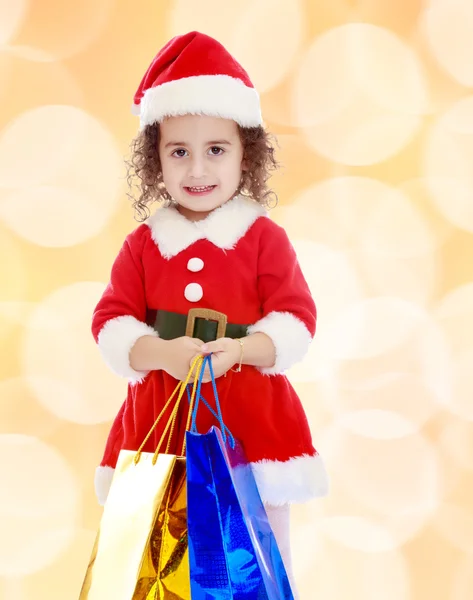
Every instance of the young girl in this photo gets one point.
(203, 152)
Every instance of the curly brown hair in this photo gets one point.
(145, 177)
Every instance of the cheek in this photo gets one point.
(168, 169)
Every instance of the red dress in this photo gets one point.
(239, 262)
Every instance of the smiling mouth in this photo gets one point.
(200, 189)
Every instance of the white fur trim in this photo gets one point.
(116, 339)
(103, 481)
(135, 109)
(297, 480)
(224, 226)
(213, 95)
(193, 292)
(290, 337)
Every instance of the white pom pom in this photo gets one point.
(195, 264)
(193, 292)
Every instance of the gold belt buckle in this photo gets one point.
(208, 315)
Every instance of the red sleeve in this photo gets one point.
(289, 312)
(119, 317)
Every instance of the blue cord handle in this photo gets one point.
(218, 415)
(213, 413)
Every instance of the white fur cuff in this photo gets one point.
(290, 337)
(297, 480)
(103, 481)
(116, 339)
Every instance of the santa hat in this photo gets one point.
(195, 74)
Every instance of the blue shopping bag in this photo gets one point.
(232, 550)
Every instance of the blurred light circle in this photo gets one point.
(454, 315)
(376, 424)
(20, 411)
(358, 533)
(14, 284)
(365, 213)
(86, 165)
(323, 85)
(362, 134)
(333, 295)
(243, 29)
(448, 163)
(372, 387)
(208, 17)
(70, 567)
(340, 572)
(397, 478)
(61, 361)
(39, 505)
(396, 227)
(319, 262)
(371, 327)
(62, 29)
(418, 193)
(268, 58)
(22, 69)
(447, 25)
(376, 51)
(349, 117)
(54, 217)
(11, 17)
(457, 440)
(455, 525)
(463, 579)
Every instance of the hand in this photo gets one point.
(225, 354)
(179, 355)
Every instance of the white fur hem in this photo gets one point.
(297, 480)
(213, 95)
(103, 481)
(290, 337)
(116, 339)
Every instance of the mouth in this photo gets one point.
(200, 190)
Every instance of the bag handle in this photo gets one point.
(219, 416)
(209, 408)
(180, 389)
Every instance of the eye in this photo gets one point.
(216, 151)
(179, 153)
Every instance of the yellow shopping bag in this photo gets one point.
(141, 549)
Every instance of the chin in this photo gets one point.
(203, 205)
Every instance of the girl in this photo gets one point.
(203, 151)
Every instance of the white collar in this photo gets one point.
(224, 226)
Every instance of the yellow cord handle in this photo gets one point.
(181, 388)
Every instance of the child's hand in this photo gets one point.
(179, 355)
(225, 354)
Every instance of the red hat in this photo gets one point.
(195, 74)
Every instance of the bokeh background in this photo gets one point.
(372, 102)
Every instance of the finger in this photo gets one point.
(215, 346)
(197, 342)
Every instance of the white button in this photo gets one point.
(195, 265)
(193, 292)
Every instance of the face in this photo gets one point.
(201, 159)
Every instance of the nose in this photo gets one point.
(197, 167)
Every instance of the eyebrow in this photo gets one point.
(211, 143)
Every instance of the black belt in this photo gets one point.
(203, 324)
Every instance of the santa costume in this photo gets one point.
(237, 262)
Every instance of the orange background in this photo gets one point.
(373, 107)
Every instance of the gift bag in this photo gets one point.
(232, 550)
(141, 550)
